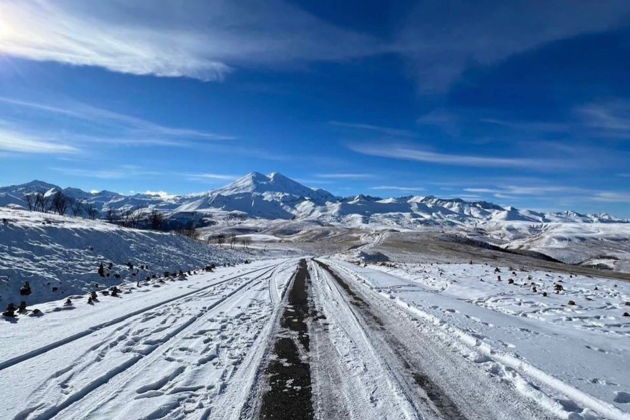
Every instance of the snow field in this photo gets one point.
(599, 303)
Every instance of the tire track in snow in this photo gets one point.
(241, 405)
(443, 405)
(44, 349)
(150, 354)
(211, 375)
(373, 383)
(476, 391)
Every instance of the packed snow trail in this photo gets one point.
(371, 360)
(467, 349)
(25, 355)
(574, 341)
(192, 356)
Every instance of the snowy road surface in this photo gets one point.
(350, 342)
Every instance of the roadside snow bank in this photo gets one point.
(60, 255)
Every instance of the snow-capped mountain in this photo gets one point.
(276, 196)
(274, 183)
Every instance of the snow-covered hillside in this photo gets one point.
(60, 255)
(601, 245)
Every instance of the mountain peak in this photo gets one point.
(254, 175)
(275, 182)
(275, 176)
(30, 187)
(37, 184)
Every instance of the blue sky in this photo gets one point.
(523, 103)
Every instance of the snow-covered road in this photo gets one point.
(343, 341)
(390, 365)
(494, 362)
(181, 353)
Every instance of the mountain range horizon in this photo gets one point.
(276, 196)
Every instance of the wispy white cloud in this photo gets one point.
(98, 173)
(410, 153)
(530, 126)
(314, 182)
(551, 192)
(481, 190)
(198, 38)
(208, 39)
(527, 189)
(135, 171)
(343, 175)
(447, 121)
(209, 177)
(611, 197)
(609, 119)
(127, 126)
(397, 188)
(14, 141)
(396, 132)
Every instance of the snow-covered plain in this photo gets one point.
(387, 341)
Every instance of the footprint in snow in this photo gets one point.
(569, 405)
(622, 397)
(600, 381)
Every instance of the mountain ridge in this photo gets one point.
(276, 196)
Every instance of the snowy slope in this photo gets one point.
(60, 255)
(602, 245)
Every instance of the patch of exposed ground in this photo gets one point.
(289, 391)
(436, 247)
